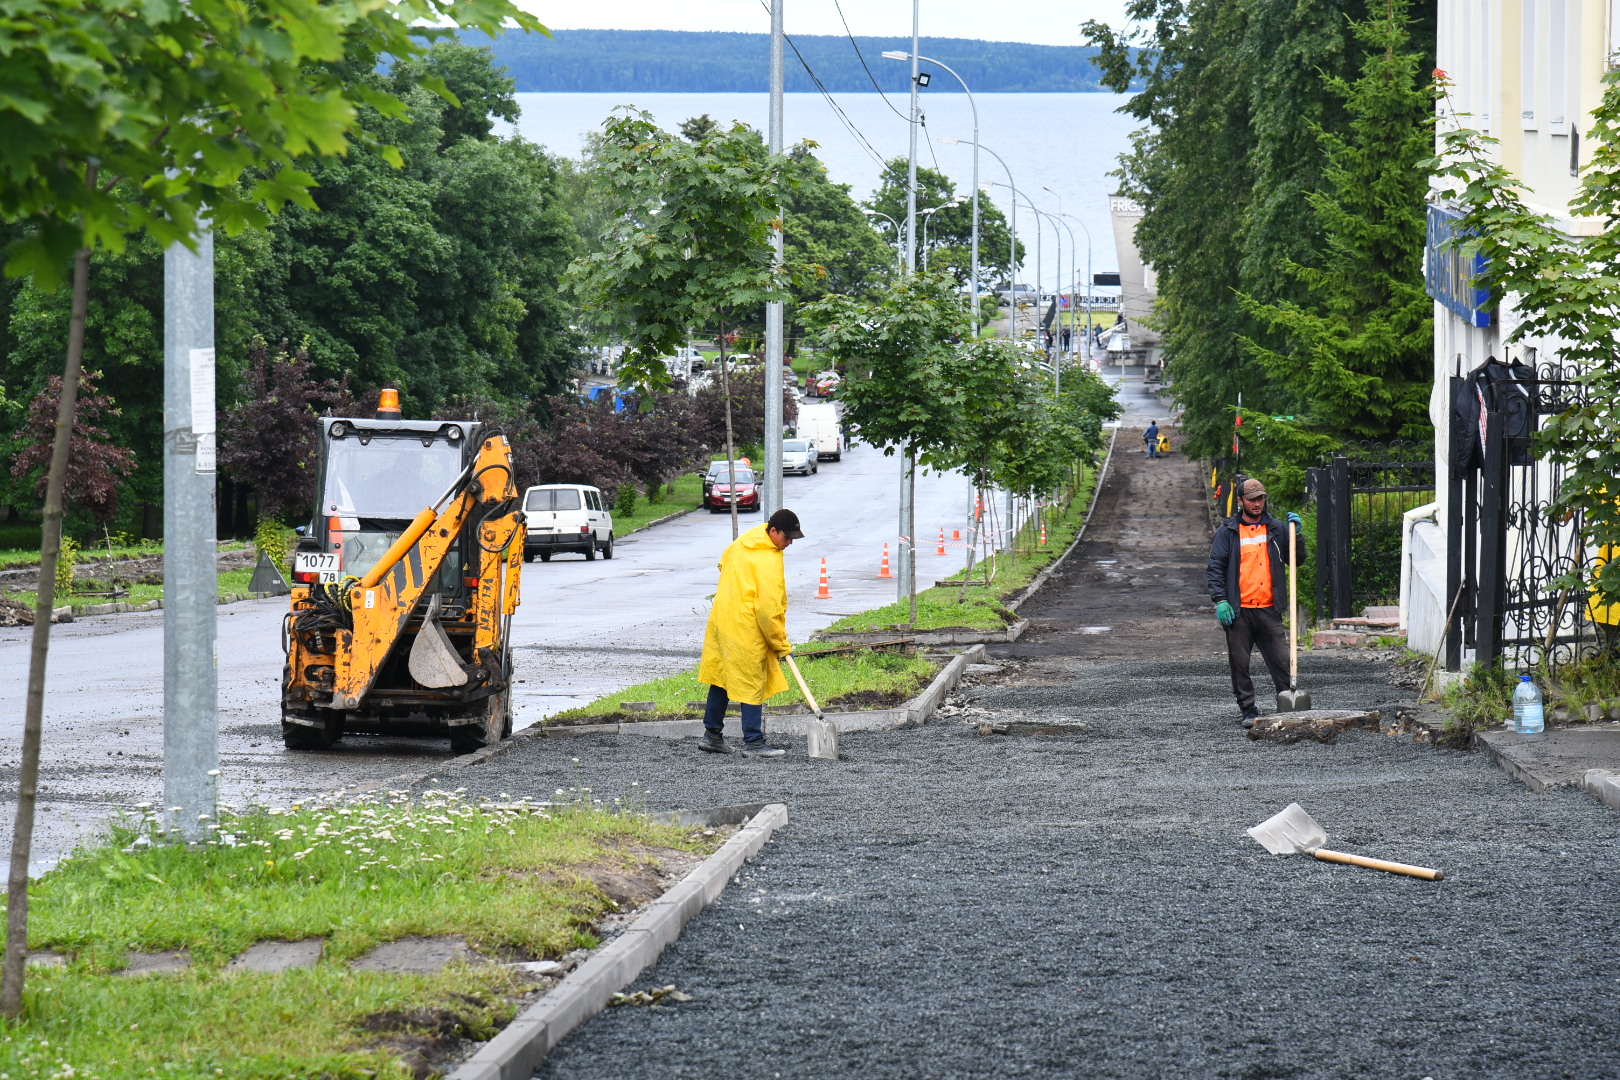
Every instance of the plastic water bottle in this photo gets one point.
(1527, 715)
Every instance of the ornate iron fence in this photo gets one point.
(1361, 499)
(1509, 546)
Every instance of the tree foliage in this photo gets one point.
(184, 100)
(690, 242)
(270, 439)
(1355, 349)
(949, 239)
(1236, 96)
(95, 465)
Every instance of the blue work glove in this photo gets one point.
(1224, 612)
(1298, 524)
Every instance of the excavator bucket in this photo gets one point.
(433, 660)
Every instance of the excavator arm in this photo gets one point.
(385, 600)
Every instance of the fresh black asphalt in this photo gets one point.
(1086, 904)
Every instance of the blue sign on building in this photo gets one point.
(1450, 275)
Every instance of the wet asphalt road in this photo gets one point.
(584, 629)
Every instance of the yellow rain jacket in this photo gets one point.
(748, 624)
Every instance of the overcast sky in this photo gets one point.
(1048, 22)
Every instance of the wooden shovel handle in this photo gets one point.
(1380, 864)
(803, 689)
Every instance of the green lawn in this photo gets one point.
(830, 678)
(231, 583)
(688, 493)
(511, 879)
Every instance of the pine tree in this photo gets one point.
(1356, 348)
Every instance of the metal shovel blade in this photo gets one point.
(433, 661)
(823, 738)
(1293, 700)
(1289, 832)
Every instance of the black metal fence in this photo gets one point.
(1361, 499)
(1502, 577)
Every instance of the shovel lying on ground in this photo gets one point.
(1293, 699)
(823, 736)
(1293, 831)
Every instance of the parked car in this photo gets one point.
(743, 489)
(566, 517)
(717, 471)
(799, 456)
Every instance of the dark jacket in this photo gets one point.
(1151, 433)
(1224, 560)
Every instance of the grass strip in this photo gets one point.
(948, 607)
(876, 679)
(511, 878)
(687, 495)
(231, 583)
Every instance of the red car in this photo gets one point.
(746, 490)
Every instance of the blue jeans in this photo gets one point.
(1153, 448)
(714, 716)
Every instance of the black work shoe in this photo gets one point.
(761, 749)
(714, 744)
(1249, 718)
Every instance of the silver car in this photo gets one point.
(799, 456)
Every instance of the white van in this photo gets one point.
(566, 517)
(818, 421)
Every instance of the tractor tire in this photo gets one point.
(470, 738)
(299, 737)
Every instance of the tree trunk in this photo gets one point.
(731, 449)
(50, 550)
(911, 516)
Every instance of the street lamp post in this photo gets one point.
(773, 310)
(1012, 241)
(1087, 231)
(973, 283)
(898, 232)
(1072, 255)
(926, 214)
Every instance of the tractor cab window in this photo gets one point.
(387, 478)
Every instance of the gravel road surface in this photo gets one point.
(1086, 904)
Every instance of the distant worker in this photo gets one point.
(1151, 437)
(1247, 564)
(747, 634)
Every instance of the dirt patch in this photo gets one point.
(424, 1041)
(870, 699)
(1135, 587)
(618, 717)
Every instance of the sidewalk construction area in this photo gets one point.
(1051, 877)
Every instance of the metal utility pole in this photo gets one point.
(908, 469)
(190, 566)
(773, 310)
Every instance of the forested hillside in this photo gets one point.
(586, 61)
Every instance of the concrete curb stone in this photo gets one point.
(1605, 785)
(584, 992)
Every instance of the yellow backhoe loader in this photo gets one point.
(404, 585)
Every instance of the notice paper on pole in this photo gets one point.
(202, 407)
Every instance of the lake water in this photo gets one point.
(1060, 147)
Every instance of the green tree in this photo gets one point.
(830, 246)
(1232, 94)
(1356, 349)
(903, 389)
(690, 247)
(181, 100)
(950, 231)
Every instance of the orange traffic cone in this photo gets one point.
(941, 550)
(1043, 534)
(822, 593)
(956, 534)
(883, 571)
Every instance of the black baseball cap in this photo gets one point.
(786, 522)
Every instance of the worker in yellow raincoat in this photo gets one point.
(747, 635)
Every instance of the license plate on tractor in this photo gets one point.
(324, 565)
